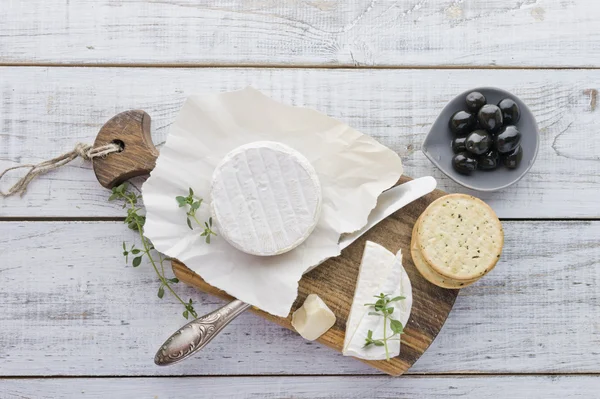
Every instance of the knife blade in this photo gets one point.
(391, 201)
(388, 202)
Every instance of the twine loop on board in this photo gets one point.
(81, 150)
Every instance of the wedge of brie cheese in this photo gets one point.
(265, 198)
(380, 272)
(313, 318)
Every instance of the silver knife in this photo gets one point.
(198, 333)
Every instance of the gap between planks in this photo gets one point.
(288, 66)
(274, 376)
(122, 219)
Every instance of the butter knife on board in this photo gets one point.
(198, 333)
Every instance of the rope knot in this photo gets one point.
(83, 150)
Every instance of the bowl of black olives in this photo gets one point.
(485, 139)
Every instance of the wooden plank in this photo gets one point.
(316, 32)
(45, 111)
(70, 306)
(375, 387)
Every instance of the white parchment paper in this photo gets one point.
(353, 170)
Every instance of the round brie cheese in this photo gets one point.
(266, 198)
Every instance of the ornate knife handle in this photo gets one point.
(197, 334)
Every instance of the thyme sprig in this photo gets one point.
(381, 308)
(193, 205)
(136, 221)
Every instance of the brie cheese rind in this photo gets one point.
(380, 272)
(353, 170)
(265, 198)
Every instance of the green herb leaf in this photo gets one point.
(135, 251)
(191, 192)
(136, 261)
(122, 188)
(189, 223)
(161, 292)
(174, 280)
(185, 314)
(396, 326)
(378, 342)
(397, 298)
(374, 314)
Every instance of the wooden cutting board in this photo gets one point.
(334, 281)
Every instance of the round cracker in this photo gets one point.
(460, 237)
(427, 272)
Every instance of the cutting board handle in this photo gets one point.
(131, 131)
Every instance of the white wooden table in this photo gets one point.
(75, 321)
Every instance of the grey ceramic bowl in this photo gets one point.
(437, 144)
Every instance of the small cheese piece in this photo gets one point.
(313, 318)
(380, 272)
(266, 198)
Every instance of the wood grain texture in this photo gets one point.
(335, 282)
(44, 111)
(374, 387)
(131, 131)
(296, 32)
(70, 306)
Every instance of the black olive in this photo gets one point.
(488, 161)
(464, 163)
(479, 142)
(510, 111)
(458, 144)
(490, 118)
(461, 123)
(508, 139)
(513, 158)
(475, 100)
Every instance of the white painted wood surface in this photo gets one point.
(71, 307)
(292, 32)
(45, 111)
(352, 387)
